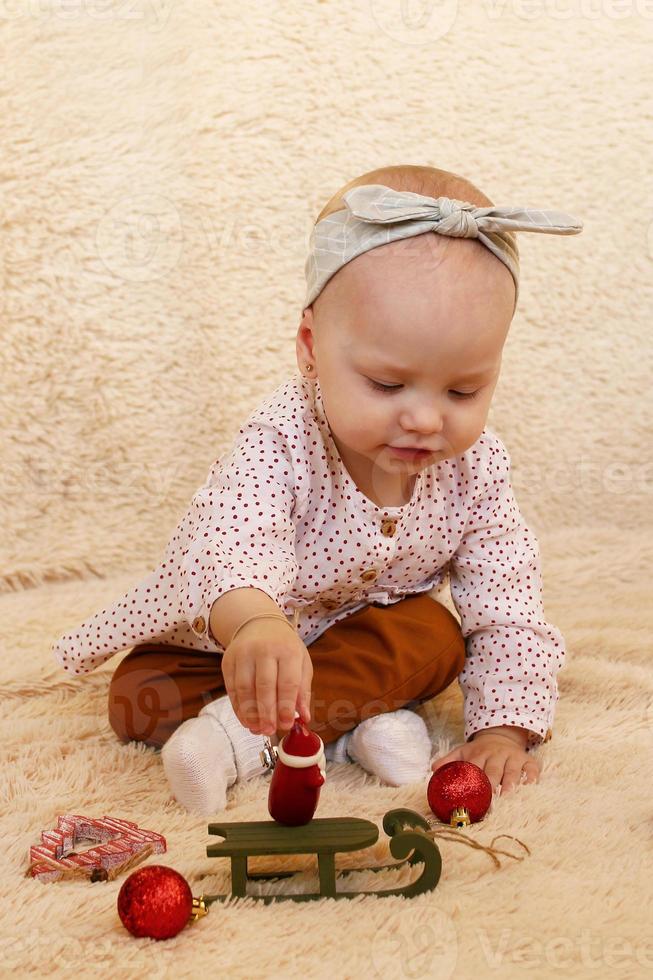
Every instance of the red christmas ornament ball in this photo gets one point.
(155, 901)
(459, 784)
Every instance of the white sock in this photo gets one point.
(198, 761)
(337, 751)
(207, 754)
(394, 746)
(246, 746)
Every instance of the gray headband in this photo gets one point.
(376, 215)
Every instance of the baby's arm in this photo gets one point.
(512, 653)
(267, 670)
(233, 608)
(241, 534)
(237, 532)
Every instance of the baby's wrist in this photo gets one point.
(518, 735)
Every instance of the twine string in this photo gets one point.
(450, 833)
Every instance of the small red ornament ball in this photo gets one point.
(459, 784)
(155, 901)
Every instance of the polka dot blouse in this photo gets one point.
(281, 513)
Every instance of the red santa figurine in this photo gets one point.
(298, 775)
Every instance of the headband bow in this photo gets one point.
(376, 215)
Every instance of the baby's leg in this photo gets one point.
(380, 659)
(174, 699)
(377, 660)
(372, 663)
(156, 687)
(207, 754)
(368, 668)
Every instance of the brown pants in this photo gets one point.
(379, 659)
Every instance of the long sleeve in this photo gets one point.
(512, 654)
(238, 531)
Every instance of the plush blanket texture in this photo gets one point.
(162, 166)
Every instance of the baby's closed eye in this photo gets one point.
(378, 386)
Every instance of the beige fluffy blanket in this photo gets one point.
(161, 169)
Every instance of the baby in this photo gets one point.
(348, 495)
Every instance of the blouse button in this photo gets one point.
(199, 624)
(369, 576)
(389, 528)
(549, 735)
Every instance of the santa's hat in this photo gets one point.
(300, 747)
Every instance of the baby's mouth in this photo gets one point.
(409, 452)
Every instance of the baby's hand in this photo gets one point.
(503, 758)
(267, 673)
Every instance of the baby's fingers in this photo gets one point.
(266, 695)
(252, 687)
(304, 707)
(511, 774)
(530, 772)
(246, 681)
(517, 771)
(288, 682)
(494, 770)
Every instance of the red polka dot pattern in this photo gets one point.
(281, 513)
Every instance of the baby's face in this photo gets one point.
(407, 342)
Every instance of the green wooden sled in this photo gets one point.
(325, 838)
